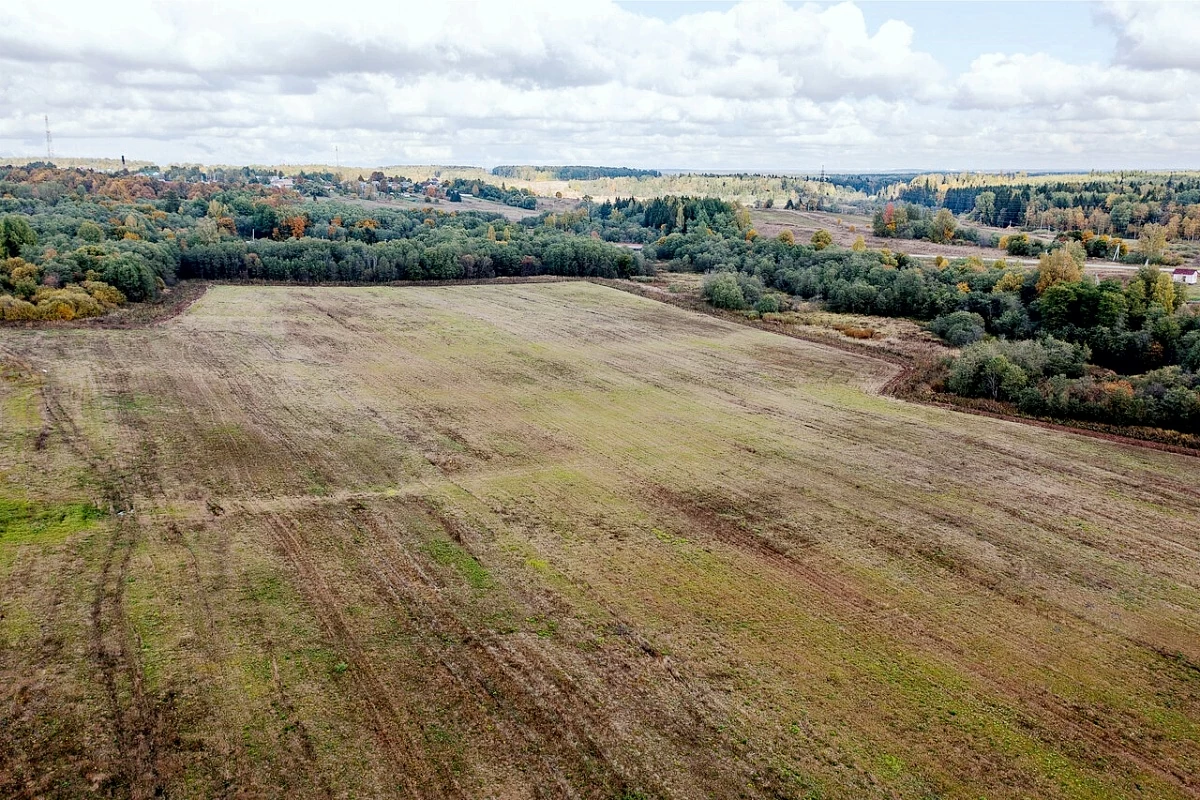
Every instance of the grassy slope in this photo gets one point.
(555, 539)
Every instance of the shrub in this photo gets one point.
(982, 372)
(959, 328)
(751, 286)
(821, 239)
(107, 295)
(768, 304)
(721, 289)
(13, 309)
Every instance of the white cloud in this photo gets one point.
(997, 80)
(1155, 35)
(760, 85)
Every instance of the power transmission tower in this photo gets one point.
(49, 147)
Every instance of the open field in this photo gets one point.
(556, 540)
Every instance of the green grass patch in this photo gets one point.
(447, 553)
(26, 523)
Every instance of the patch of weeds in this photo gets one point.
(633, 794)
(890, 766)
(543, 628)
(669, 538)
(447, 553)
(23, 523)
(317, 484)
(132, 402)
(266, 587)
(17, 626)
(339, 669)
(436, 733)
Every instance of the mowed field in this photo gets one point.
(555, 540)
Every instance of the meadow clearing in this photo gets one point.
(556, 540)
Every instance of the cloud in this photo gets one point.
(998, 80)
(762, 85)
(1155, 35)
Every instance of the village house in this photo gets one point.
(1184, 275)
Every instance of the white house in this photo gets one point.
(1184, 275)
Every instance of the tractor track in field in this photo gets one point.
(142, 726)
(390, 724)
(1056, 715)
(573, 712)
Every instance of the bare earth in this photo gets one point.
(557, 540)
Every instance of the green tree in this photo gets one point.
(90, 232)
(943, 226)
(985, 207)
(821, 239)
(15, 233)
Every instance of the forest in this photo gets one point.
(1122, 204)
(77, 243)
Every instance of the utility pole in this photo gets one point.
(49, 148)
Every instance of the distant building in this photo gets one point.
(282, 183)
(1184, 275)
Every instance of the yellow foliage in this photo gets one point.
(786, 236)
(859, 245)
(1009, 282)
(1057, 266)
(12, 309)
(106, 295)
(963, 287)
(56, 308)
(940, 262)
(751, 235)
(23, 270)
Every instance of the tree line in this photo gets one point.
(571, 173)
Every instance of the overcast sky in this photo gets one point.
(754, 85)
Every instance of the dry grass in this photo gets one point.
(557, 540)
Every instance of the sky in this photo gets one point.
(761, 85)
